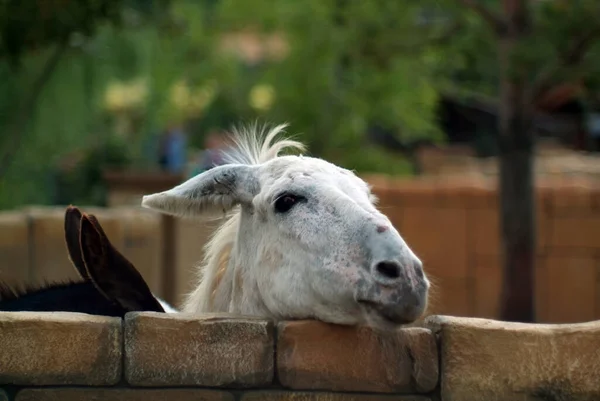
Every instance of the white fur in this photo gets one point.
(168, 308)
(315, 261)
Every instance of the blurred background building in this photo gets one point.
(103, 101)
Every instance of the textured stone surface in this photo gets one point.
(190, 236)
(208, 350)
(142, 244)
(322, 396)
(498, 361)
(318, 356)
(15, 260)
(49, 256)
(91, 394)
(59, 348)
(3, 396)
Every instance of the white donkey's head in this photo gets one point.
(305, 242)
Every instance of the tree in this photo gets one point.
(56, 60)
(347, 81)
(516, 144)
(524, 32)
(38, 27)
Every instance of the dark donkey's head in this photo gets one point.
(110, 286)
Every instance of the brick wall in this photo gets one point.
(451, 224)
(153, 356)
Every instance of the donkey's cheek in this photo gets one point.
(348, 273)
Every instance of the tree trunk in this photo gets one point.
(18, 129)
(516, 183)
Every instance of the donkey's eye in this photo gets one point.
(285, 202)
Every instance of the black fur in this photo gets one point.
(70, 296)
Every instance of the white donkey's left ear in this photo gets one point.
(208, 194)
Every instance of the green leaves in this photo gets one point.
(34, 24)
(333, 68)
(349, 64)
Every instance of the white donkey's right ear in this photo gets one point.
(208, 194)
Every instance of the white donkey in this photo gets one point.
(303, 240)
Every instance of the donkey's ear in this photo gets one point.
(112, 274)
(208, 194)
(72, 225)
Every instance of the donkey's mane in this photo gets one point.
(13, 292)
(253, 145)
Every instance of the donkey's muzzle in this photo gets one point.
(410, 309)
(389, 315)
(397, 293)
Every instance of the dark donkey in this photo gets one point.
(110, 285)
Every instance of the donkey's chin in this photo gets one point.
(387, 318)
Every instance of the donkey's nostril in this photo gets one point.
(388, 269)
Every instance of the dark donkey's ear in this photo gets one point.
(114, 276)
(72, 227)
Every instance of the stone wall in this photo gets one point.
(152, 356)
(452, 224)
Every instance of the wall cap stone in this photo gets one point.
(313, 355)
(202, 350)
(59, 348)
(505, 361)
(437, 322)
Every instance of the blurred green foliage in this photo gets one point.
(34, 24)
(133, 67)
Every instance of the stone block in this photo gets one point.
(488, 290)
(50, 260)
(443, 245)
(488, 286)
(461, 192)
(450, 296)
(576, 232)
(111, 221)
(276, 395)
(485, 359)
(414, 193)
(123, 198)
(121, 394)
(312, 355)
(15, 262)
(485, 231)
(59, 348)
(484, 195)
(142, 244)
(207, 350)
(572, 196)
(388, 204)
(191, 236)
(571, 288)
